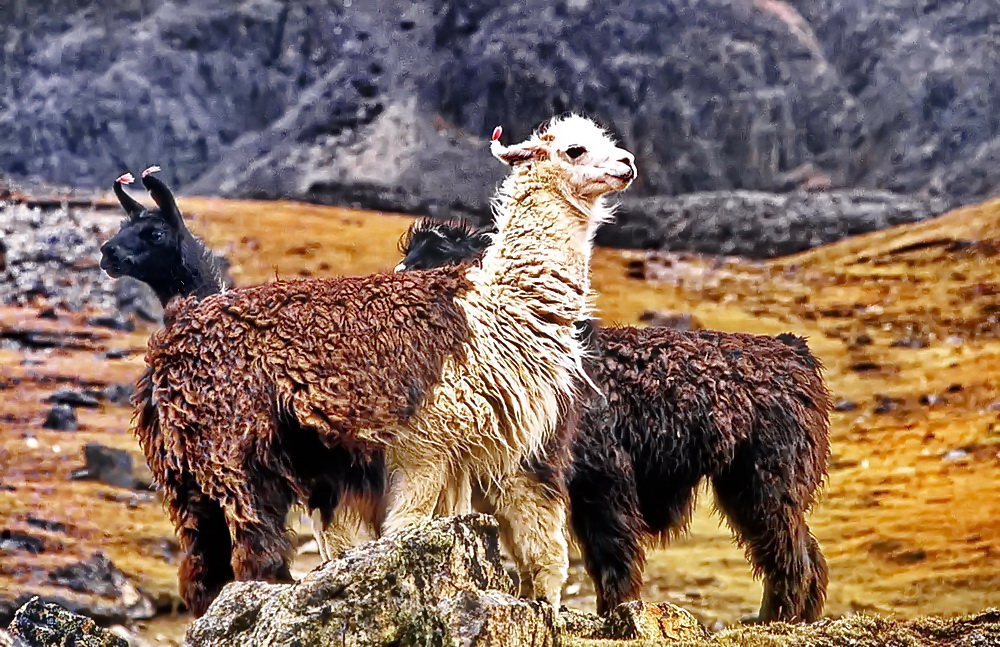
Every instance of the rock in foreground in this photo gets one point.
(439, 583)
(442, 583)
(43, 623)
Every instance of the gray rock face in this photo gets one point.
(41, 623)
(439, 583)
(757, 224)
(388, 103)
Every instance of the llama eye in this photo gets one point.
(156, 236)
(574, 152)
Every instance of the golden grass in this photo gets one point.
(908, 527)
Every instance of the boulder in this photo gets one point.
(442, 583)
(436, 583)
(40, 623)
(94, 587)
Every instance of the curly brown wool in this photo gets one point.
(258, 397)
(748, 412)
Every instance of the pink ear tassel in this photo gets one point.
(496, 133)
(125, 178)
(152, 169)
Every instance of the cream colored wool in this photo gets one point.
(523, 363)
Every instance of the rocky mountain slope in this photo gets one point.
(387, 103)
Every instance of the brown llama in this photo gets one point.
(256, 398)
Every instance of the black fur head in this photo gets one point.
(436, 243)
(155, 247)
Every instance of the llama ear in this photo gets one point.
(514, 155)
(129, 204)
(163, 198)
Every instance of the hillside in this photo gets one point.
(906, 320)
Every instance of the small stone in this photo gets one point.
(930, 399)
(650, 621)
(114, 321)
(44, 623)
(119, 394)
(909, 342)
(843, 404)
(672, 320)
(10, 640)
(107, 465)
(45, 524)
(73, 398)
(14, 541)
(61, 417)
(884, 404)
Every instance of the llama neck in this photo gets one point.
(197, 273)
(543, 243)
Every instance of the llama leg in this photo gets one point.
(352, 521)
(457, 499)
(319, 534)
(533, 522)
(413, 490)
(816, 595)
(261, 546)
(205, 547)
(772, 528)
(607, 523)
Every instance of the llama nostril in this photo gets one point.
(111, 253)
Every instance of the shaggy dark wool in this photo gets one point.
(749, 413)
(432, 243)
(255, 398)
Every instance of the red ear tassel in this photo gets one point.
(125, 178)
(151, 169)
(496, 133)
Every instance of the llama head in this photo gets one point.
(435, 243)
(149, 245)
(155, 246)
(576, 150)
